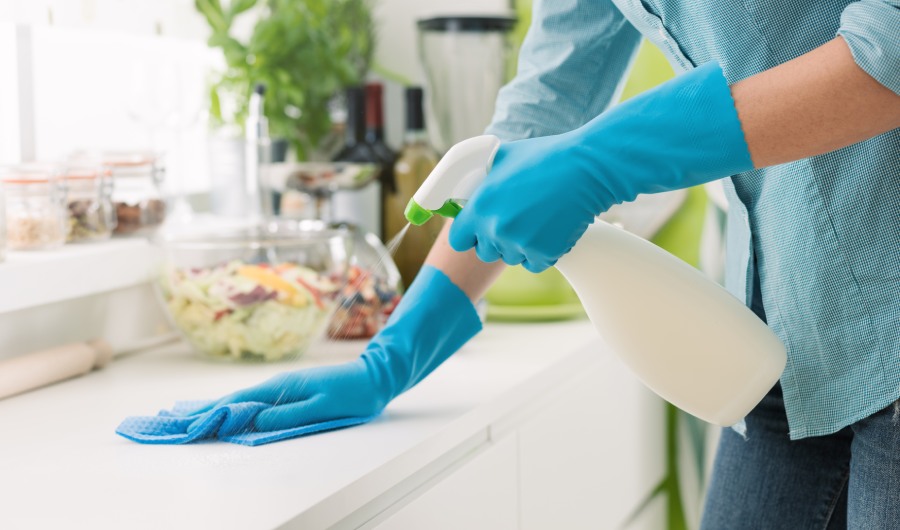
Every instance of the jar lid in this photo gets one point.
(30, 173)
(82, 174)
(23, 179)
(129, 159)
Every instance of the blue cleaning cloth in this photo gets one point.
(228, 423)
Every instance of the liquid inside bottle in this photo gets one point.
(684, 336)
(417, 159)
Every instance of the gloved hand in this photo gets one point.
(433, 320)
(542, 193)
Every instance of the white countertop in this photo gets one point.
(62, 465)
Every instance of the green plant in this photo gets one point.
(304, 51)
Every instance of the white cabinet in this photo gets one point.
(481, 494)
(581, 457)
(591, 454)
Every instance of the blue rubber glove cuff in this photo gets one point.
(682, 133)
(542, 193)
(432, 321)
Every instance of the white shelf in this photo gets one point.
(30, 279)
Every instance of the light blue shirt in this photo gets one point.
(823, 232)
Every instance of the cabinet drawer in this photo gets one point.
(591, 454)
(481, 494)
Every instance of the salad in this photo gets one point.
(250, 311)
(366, 302)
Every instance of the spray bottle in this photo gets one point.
(684, 336)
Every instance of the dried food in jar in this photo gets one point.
(135, 217)
(87, 220)
(25, 232)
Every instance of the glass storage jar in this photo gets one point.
(2, 225)
(35, 199)
(137, 178)
(90, 208)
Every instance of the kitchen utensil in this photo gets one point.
(34, 370)
(466, 62)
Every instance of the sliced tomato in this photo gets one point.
(317, 296)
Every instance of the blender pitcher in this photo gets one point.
(466, 62)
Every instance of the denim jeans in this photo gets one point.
(849, 479)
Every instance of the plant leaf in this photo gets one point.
(215, 17)
(657, 490)
(239, 6)
(215, 105)
(696, 431)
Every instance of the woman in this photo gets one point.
(796, 105)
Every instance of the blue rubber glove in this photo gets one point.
(542, 193)
(433, 320)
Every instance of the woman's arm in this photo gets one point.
(816, 103)
(570, 66)
(464, 269)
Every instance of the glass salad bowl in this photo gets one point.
(255, 293)
(372, 291)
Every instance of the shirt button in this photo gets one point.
(662, 35)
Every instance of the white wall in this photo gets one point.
(397, 44)
(75, 73)
(397, 28)
(89, 55)
(135, 17)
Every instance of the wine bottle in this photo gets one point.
(375, 134)
(257, 152)
(417, 159)
(360, 206)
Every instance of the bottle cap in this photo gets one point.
(415, 117)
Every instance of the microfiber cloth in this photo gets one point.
(229, 423)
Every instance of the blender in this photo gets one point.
(466, 60)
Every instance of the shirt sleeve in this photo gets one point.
(871, 29)
(571, 65)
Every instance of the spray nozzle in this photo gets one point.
(453, 180)
(419, 215)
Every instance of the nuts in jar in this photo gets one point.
(134, 217)
(140, 207)
(35, 212)
(90, 210)
(2, 225)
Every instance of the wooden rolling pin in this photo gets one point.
(41, 368)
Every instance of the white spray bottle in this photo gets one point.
(684, 336)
